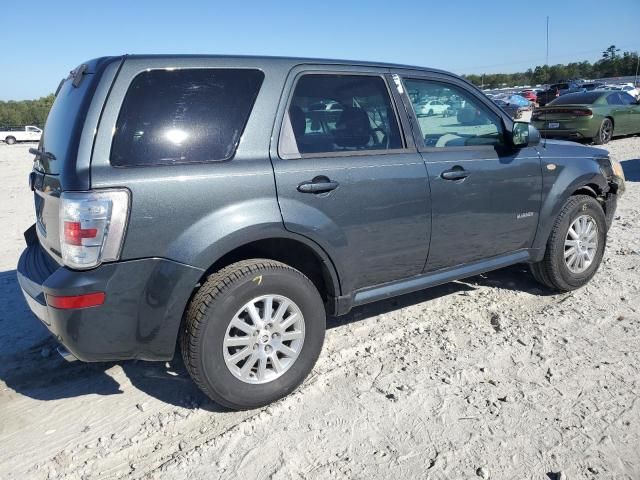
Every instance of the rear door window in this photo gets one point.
(341, 113)
(184, 116)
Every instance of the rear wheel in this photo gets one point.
(575, 247)
(605, 133)
(10, 140)
(252, 333)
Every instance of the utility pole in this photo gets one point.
(637, 65)
(547, 58)
(546, 62)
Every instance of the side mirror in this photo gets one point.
(524, 134)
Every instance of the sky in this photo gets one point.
(43, 39)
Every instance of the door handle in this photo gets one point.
(318, 185)
(456, 173)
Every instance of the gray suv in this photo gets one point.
(229, 204)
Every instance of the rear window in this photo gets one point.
(64, 124)
(184, 116)
(577, 98)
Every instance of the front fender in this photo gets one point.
(559, 183)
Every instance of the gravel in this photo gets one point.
(493, 374)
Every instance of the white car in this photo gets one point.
(11, 135)
(631, 90)
(431, 107)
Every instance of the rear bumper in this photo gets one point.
(140, 317)
(576, 129)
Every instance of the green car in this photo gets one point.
(596, 115)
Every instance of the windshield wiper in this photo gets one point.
(42, 153)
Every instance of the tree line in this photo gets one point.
(25, 112)
(611, 64)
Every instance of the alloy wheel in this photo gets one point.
(581, 244)
(264, 339)
(606, 131)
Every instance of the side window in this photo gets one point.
(450, 117)
(627, 99)
(340, 113)
(614, 99)
(182, 116)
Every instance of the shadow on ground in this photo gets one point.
(631, 169)
(32, 368)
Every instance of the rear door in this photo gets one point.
(485, 196)
(348, 178)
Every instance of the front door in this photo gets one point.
(485, 195)
(347, 177)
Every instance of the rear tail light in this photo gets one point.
(92, 226)
(572, 112)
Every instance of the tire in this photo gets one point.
(605, 132)
(430, 113)
(553, 270)
(220, 301)
(10, 140)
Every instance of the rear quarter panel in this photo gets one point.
(194, 213)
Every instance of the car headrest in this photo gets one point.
(353, 128)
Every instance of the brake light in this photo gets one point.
(582, 112)
(76, 301)
(74, 233)
(92, 226)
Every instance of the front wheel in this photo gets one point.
(605, 132)
(575, 247)
(253, 332)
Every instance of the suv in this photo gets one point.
(207, 201)
(556, 90)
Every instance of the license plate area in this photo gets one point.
(553, 125)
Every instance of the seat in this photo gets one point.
(353, 128)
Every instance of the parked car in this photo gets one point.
(592, 86)
(631, 90)
(431, 107)
(514, 105)
(530, 95)
(188, 199)
(28, 133)
(554, 91)
(596, 115)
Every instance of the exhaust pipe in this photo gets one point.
(66, 354)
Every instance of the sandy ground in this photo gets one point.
(494, 372)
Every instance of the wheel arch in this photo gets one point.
(569, 183)
(292, 249)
